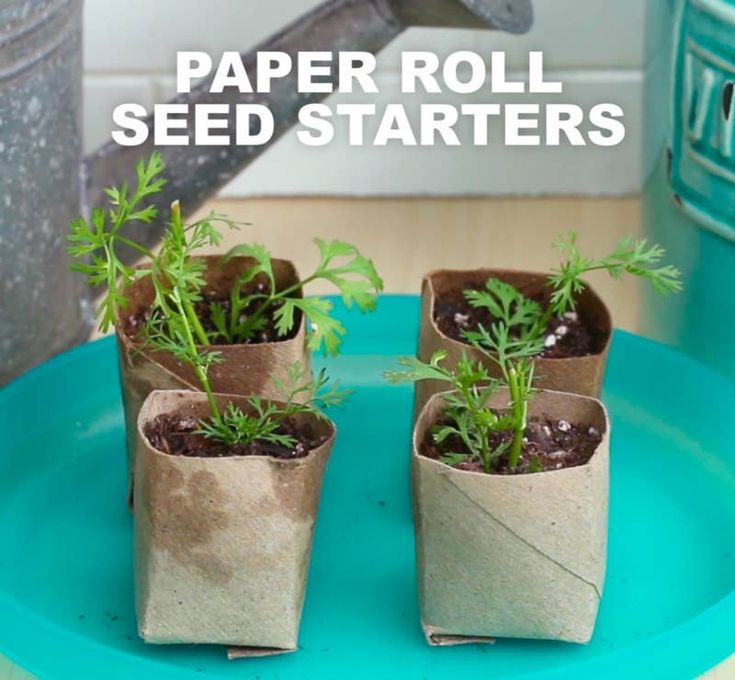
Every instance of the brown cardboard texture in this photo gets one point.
(222, 545)
(520, 556)
(579, 375)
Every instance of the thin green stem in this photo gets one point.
(211, 401)
(471, 398)
(184, 304)
(198, 368)
(135, 246)
(294, 287)
(519, 409)
(201, 334)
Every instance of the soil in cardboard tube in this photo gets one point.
(176, 435)
(548, 443)
(567, 336)
(135, 322)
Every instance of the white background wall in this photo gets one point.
(595, 47)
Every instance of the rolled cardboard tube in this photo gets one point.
(519, 556)
(222, 545)
(243, 369)
(579, 375)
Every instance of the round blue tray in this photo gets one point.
(66, 592)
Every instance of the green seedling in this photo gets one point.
(94, 244)
(340, 264)
(525, 319)
(473, 385)
(177, 276)
(233, 426)
(468, 416)
(515, 337)
(174, 327)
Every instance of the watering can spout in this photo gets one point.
(514, 16)
(195, 173)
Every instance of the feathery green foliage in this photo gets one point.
(637, 258)
(340, 264)
(178, 280)
(526, 321)
(94, 241)
(234, 426)
(468, 416)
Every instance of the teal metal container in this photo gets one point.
(689, 196)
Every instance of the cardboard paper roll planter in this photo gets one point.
(245, 368)
(512, 555)
(568, 320)
(442, 304)
(222, 544)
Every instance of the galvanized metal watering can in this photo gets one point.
(689, 198)
(44, 182)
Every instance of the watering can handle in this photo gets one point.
(194, 173)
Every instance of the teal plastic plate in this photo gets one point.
(66, 591)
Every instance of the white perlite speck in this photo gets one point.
(571, 316)
(563, 425)
(461, 319)
(550, 341)
(561, 331)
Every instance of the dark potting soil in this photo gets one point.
(176, 435)
(548, 445)
(567, 336)
(135, 322)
